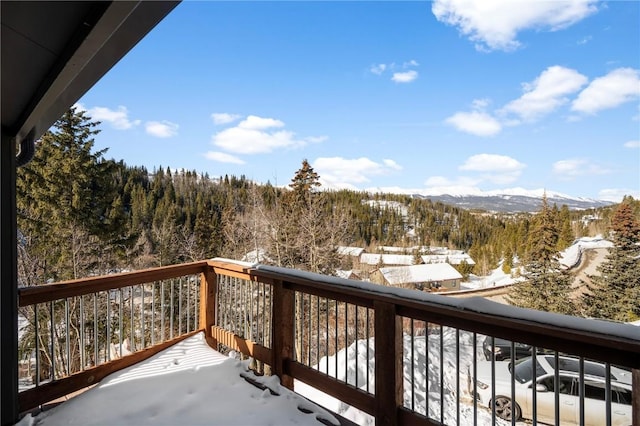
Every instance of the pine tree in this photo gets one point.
(547, 286)
(614, 294)
(66, 200)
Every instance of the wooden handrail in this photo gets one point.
(57, 291)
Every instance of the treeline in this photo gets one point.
(80, 214)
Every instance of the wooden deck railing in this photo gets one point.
(301, 325)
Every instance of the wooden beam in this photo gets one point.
(344, 392)
(282, 322)
(388, 356)
(246, 346)
(208, 300)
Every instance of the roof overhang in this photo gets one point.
(54, 52)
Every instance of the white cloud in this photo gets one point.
(619, 86)
(546, 93)
(253, 122)
(119, 118)
(224, 118)
(259, 135)
(392, 164)
(495, 24)
(476, 123)
(405, 77)
(378, 68)
(411, 63)
(338, 172)
(572, 168)
(161, 129)
(632, 144)
(499, 169)
(616, 195)
(222, 157)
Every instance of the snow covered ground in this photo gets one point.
(569, 258)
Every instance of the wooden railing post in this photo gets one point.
(208, 294)
(282, 323)
(388, 357)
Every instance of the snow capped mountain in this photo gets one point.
(511, 200)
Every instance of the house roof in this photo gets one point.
(453, 259)
(387, 259)
(397, 275)
(349, 251)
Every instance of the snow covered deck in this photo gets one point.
(186, 384)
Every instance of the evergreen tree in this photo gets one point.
(615, 293)
(547, 286)
(67, 205)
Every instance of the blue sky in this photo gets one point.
(449, 96)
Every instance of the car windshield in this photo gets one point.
(523, 371)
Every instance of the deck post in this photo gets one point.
(388, 357)
(208, 294)
(282, 323)
(9, 282)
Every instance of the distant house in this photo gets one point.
(257, 256)
(452, 258)
(350, 274)
(349, 251)
(434, 276)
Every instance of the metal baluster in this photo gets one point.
(142, 316)
(368, 337)
(67, 340)
(581, 390)
(96, 339)
(189, 305)
(132, 338)
(458, 376)
(441, 374)
(180, 306)
(556, 386)
(607, 392)
(121, 314)
(413, 365)
(153, 313)
(53, 358)
(171, 308)
(83, 363)
(474, 378)
(37, 337)
(162, 311)
(356, 340)
(346, 342)
(326, 330)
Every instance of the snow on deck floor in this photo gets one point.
(189, 384)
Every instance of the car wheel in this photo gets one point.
(507, 410)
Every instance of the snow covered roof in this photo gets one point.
(349, 251)
(387, 259)
(453, 259)
(257, 256)
(420, 273)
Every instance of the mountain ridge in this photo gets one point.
(512, 202)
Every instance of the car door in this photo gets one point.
(595, 405)
(546, 400)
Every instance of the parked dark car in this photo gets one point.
(502, 349)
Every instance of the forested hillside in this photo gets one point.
(80, 214)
